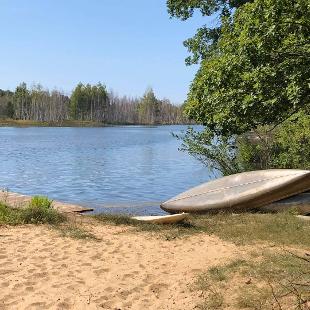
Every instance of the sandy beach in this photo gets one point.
(123, 269)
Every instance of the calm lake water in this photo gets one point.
(115, 169)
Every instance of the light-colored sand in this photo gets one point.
(39, 269)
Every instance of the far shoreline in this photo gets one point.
(71, 123)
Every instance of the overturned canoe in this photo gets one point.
(299, 202)
(162, 219)
(246, 190)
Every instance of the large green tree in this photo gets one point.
(254, 76)
(259, 73)
(148, 108)
(22, 101)
(89, 102)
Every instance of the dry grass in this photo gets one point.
(250, 228)
(167, 231)
(242, 229)
(271, 281)
(75, 231)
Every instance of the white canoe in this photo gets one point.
(248, 190)
(303, 217)
(162, 219)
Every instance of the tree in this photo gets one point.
(76, 101)
(287, 146)
(252, 90)
(258, 73)
(10, 110)
(206, 38)
(22, 101)
(6, 106)
(219, 154)
(149, 108)
(89, 102)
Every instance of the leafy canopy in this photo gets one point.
(252, 88)
(258, 71)
(204, 41)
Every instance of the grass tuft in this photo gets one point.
(38, 211)
(73, 231)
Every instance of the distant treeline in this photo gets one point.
(87, 103)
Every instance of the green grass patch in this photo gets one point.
(38, 211)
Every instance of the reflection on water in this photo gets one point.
(129, 168)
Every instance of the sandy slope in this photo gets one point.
(39, 269)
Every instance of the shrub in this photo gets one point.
(41, 202)
(285, 146)
(38, 211)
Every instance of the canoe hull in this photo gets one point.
(248, 190)
(165, 219)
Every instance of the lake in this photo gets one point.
(116, 169)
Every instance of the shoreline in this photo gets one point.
(17, 200)
(72, 123)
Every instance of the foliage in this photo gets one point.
(6, 105)
(10, 111)
(148, 108)
(254, 75)
(258, 74)
(286, 146)
(39, 211)
(206, 38)
(21, 101)
(219, 154)
(292, 143)
(40, 202)
(89, 102)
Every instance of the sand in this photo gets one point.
(40, 269)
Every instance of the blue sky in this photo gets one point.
(127, 44)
